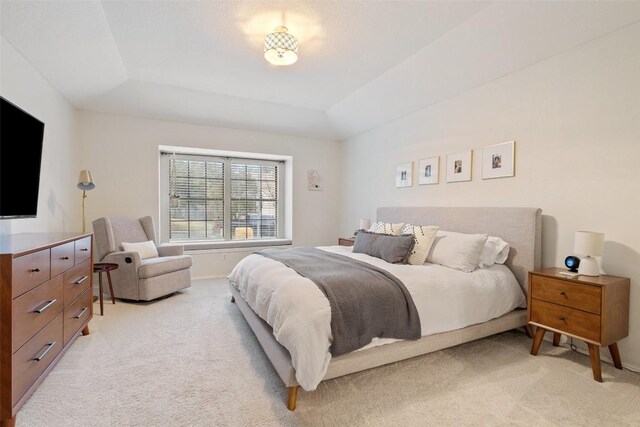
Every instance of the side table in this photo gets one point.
(591, 309)
(346, 241)
(104, 267)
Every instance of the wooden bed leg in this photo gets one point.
(556, 339)
(293, 397)
(529, 330)
(233, 299)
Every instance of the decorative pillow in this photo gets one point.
(387, 228)
(145, 249)
(457, 250)
(423, 236)
(393, 249)
(495, 251)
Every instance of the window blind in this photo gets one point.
(217, 198)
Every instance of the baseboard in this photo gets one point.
(218, 276)
(604, 355)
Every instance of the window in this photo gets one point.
(216, 199)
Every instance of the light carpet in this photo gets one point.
(191, 360)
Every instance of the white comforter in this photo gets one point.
(300, 315)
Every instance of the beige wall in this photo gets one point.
(58, 199)
(576, 120)
(122, 154)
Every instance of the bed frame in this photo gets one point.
(521, 227)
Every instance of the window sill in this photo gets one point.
(234, 244)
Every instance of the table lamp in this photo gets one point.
(85, 183)
(589, 244)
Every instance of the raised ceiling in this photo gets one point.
(361, 64)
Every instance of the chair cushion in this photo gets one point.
(152, 267)
(145, 249)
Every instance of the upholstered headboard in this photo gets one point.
(521, 227)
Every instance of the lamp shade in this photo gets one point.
(280, 47)
(365, 223)
(588, 243)
(85, 181)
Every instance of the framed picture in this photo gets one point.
(459, 166)
(428, 171)
(404, 175)
(498, 161)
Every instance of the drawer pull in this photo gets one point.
(84, 250)
(35, 270)
(563, 318)
(81, 312)
(82, 279)
(44, 307)
(563, 293)
(64, 258)
(44, 353)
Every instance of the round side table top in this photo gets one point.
(99, 267)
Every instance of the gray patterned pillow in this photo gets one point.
(393, 249)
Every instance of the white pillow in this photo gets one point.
(387, 228)
(145, 249)
(423, 236)
(495, 251)
(457, 250)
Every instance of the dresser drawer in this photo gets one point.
(76, 281)
(582, 297)
(26, 368)
(30, 271)
(62, 258)
(573, 322)
(77, 314)
(82, 249)
(33, 310)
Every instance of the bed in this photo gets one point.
(521, 227)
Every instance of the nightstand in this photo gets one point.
(346, 241)
(592, 309)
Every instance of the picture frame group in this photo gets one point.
(498, 161)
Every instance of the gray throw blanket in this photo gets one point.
(366, 301)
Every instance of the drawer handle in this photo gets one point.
(81, 312)
(44, 353)
(84, 250)
(35, 270)
(563, 293)
(79, 281)
(64, 258)
(44, 307)
(563, 318)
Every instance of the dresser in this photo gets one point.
(591, 309)
(46, 301)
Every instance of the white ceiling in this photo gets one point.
(361, 64)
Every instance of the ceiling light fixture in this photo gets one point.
(280, 47)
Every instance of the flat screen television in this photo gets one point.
(21, 137)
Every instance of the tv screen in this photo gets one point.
(20, 157)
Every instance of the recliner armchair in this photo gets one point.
(140, 279)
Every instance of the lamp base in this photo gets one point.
(589, 267)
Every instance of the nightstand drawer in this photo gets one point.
(570, 294)
(565, 319)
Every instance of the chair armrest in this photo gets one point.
(170, 250)
(122, 258)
